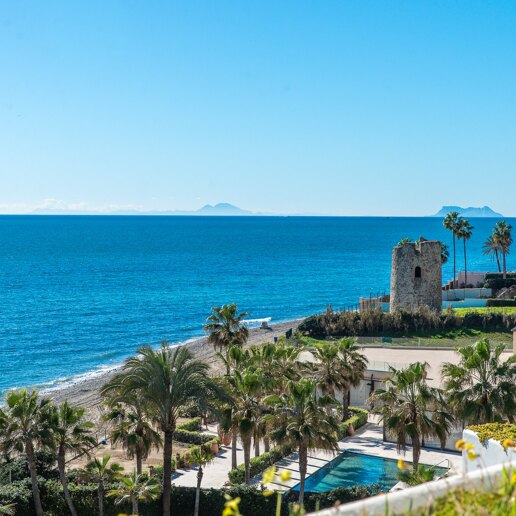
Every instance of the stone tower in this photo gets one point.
(416, 277)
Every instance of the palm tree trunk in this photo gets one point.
(139, 462)
(465, 267)
(504, 259)
(256, 446)
(64, 482)
(29, 449)
(167, 470)
(198, 491)
(134, 500)
(101, 497)
(345, 404)
(246, 443)
(416, 451)
(266, 444)
(234, 441)
(454, 261)
(498, 260)
(303, 459)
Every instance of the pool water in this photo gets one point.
(350, 469)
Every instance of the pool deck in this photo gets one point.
(368, 440)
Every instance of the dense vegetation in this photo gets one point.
(399, 324)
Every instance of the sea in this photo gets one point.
(78, 294)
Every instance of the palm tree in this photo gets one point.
(492, 247)
(464, 232)
(26, 424)
(225, 328)
(8, 510)
(503, 238)
(135, 488)
(133, 429)
(445, 253)
(101, 471)
(353, 366)
(71, 433)
(202, 458)
(481, 386)
(304, 422)
(405, 407)
(451, 222)
(326, 369)
(166, 380)
(245, 388)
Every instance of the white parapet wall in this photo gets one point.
(488, 454)
(420, 497)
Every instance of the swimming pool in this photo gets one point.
(350, 469)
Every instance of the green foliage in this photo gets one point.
(260, 463)
(420, 321)
(358, 419)
(496, 431)
(418, 476)
(194, 425)
(501, 302)
(186, 436)
(19, 468)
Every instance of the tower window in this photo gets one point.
(417, 273)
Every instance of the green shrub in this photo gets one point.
(358, 419)
(18, 468)
(259, 464)
(188, 437)
(501, 302)
(498, 283)
(194, 425)
(496, 431)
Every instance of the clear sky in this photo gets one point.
(336, 107)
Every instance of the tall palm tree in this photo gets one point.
(492, 247)
(464, 232)
(406, 406)
(304, 422)
(166, 380)
(225, 328)
(502, 236)
(132, 428)
(101, 471)
(71, 433)
(445, 253)
(135, 488)
(27, 424)
(245, 388)
(202, 458)
(327, 370)
(481, 387)
(451, 222)
(353, 366)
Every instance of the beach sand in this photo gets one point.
(85, 393)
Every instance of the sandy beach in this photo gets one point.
(85, 393)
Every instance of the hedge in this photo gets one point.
(188, 437)
(499, 283)
(182, 499)
(496, 431)
(259, 464)
(501, 302)
(267, 459)
(193, 425)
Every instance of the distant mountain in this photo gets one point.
(222, 208)
(485, 211)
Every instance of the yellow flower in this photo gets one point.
(268, 475)
(469, 446)
(471, 455)
(460, 444)
(513, 479)
(231, 506)
(267, 492)
(509, 443)
(285, 475)
(401, 464)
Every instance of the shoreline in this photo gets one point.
(85, 392)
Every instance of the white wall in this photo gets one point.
(489, 453)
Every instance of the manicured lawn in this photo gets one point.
(509, 310)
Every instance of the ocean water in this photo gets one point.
(79, 294)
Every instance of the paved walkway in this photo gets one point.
(367, 439)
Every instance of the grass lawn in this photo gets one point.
(509, 310)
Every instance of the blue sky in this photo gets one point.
(336, 107)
